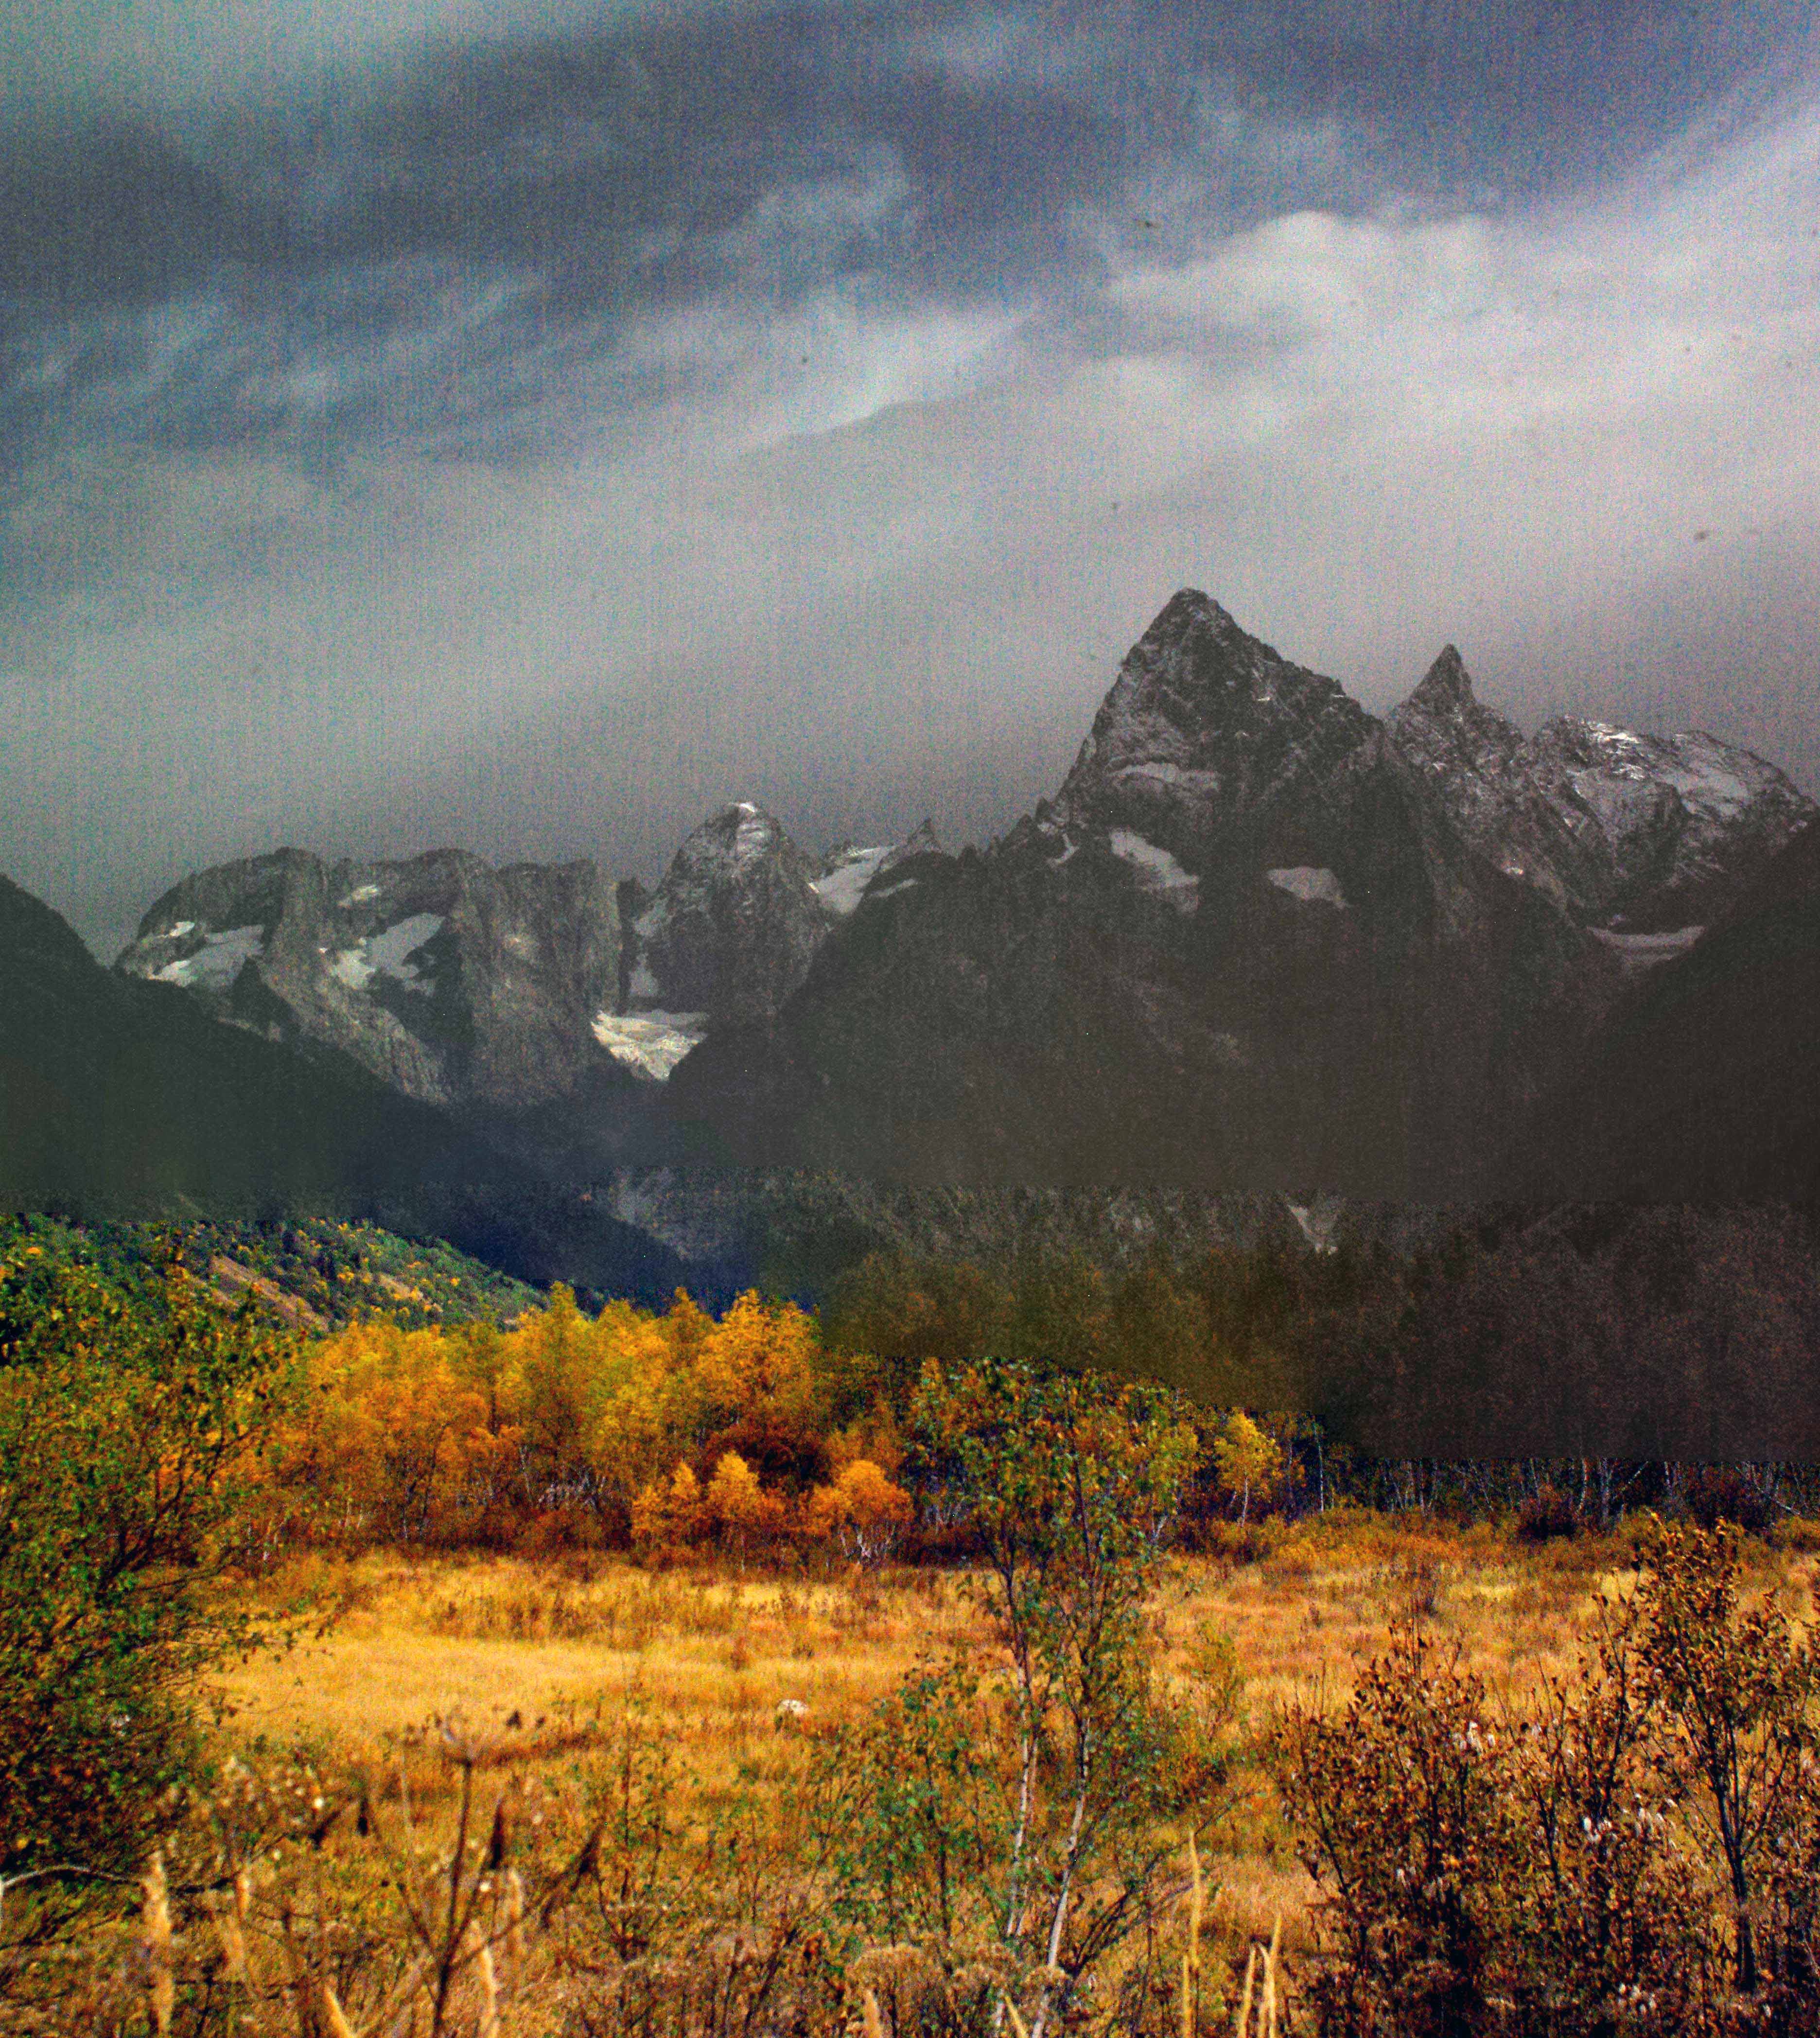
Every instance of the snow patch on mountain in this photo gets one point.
(1164, 771)
(1641, 951)
(848, 870)
(841, 890)
(388, 953)
(216, 963)
(1157, 872)
(1319, 1220)
(651, 1043)
(1313, 886)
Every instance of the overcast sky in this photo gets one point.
(529, 425)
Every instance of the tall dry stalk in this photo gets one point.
(1242, 2028)
(155, 1945)
(1191, 1959)
(1261, 1986)
(334, 2017)
(1270, 1978)
(230, 1922)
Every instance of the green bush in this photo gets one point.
(128, 1424)
(1029, 1814)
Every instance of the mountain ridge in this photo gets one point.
(1259, 938)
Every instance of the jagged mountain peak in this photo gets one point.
(1443, 706)
(1446, 687)
(732, 838)
(1622, 829)
(1470, 757)
(1206, 730)
(1197, 647)
(732, 929)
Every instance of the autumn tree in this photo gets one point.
(1249, 1460)
(1738, 1689)
(1070, 1486)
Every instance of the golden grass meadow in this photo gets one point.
(539, 1660)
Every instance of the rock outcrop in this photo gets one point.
(454, 983)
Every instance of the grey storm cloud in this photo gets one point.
(529, 425)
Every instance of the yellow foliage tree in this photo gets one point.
(394, 1445)
(756, 1375)
(1248, 1460)
(744, 1513)
(670, 1514)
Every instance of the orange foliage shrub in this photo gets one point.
(863, 1511)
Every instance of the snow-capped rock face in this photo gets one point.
(1259, 940)
(1644, 833)
(849, 871)
(452, 981)
(1676, 826)
(731, 929)
(1207, 737)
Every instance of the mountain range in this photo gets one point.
(1258, 941)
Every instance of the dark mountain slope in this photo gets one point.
(1705, 1086)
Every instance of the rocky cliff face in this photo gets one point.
(731, 929)
(729, 934)
(510, 990)
(452, 981)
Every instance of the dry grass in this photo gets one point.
(546, 1656)
(555, 1645)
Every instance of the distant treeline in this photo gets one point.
(768, 1426)
(1647, 1334)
